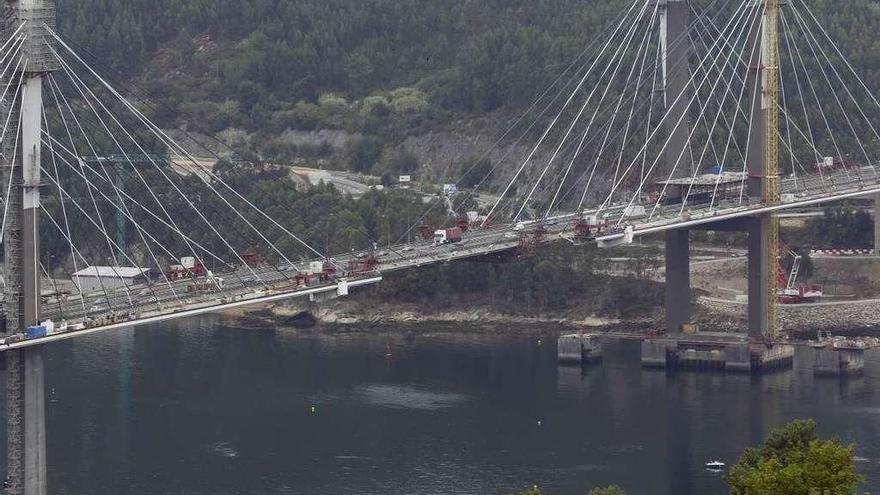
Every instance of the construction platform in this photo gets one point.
(715, 352)
(839, 360)
(579, 348)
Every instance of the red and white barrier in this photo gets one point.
(841, 252)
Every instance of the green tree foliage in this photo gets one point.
(531, 491)
(794, 461)
(473, 171)
(322, 216)
(397, 162)
(363, 153)
(841, 228)
(379, 67)
(558, 278)
(609, 490)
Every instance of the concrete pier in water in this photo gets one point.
(846, 361)
(715, 352)
(579, 348)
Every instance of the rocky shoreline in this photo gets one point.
(844, 317)
(337, 318)
(712, 311)
(857, 317)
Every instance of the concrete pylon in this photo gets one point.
(676, 51)
(759, 268)
(877, 225)
(755, 84)
(678, 280)
(761, 241)
(25, 383)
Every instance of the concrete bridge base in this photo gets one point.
(684, 346)
(839, 362)
(715, 352)
(579, 348)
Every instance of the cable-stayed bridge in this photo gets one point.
(680, 115)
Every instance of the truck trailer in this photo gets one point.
(447, 236)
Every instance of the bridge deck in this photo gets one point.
(171, 302)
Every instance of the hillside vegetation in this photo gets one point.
(380, 69)
(379, 72)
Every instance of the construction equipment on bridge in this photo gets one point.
(426, 232)
(472, 220)
(587, 225)
(367, 264)
(318, 271)
(531, 239)
(253, 259)
(188, 268)
(832, 164)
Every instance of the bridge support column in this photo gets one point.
(25, 392)
(678, 280)
(877, 225)
(759, 275)
(25, 422)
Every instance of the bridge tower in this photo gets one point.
(761, 157)
(25, 392)
(763, 166)
(675, 51)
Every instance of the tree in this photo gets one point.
(362, 153)
(794, 461)
(473, 171)
(531, 491)
(609, 490)
(398, 161)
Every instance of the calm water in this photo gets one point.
(202, 409)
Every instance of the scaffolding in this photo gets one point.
(771, 159)
(36, 15)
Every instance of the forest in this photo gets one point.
(380, 70)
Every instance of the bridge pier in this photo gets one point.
(713, 351)
(25, 384)
(678, 280)
(758, 276)
(25, 422)
(877, 224)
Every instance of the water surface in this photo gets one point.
(198, 408)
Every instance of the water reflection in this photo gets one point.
(202, 409)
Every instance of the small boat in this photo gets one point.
(715, 466)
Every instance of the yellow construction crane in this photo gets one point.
(771, 159)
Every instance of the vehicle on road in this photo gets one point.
(447, 236)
